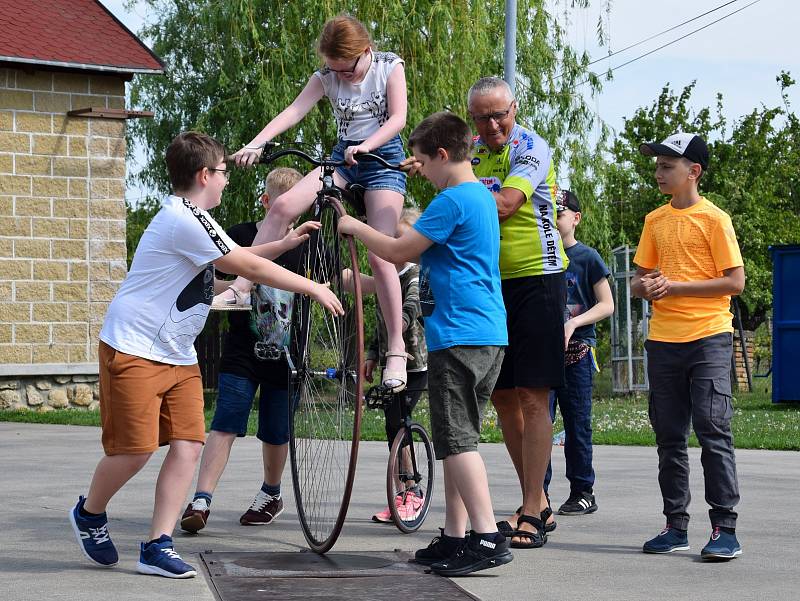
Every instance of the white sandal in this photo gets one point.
(396, 375)
(239, 302)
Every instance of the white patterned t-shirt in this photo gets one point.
(360, 109)
(164, 301)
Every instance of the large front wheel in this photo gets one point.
(326, 353)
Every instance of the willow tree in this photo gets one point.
(233, 65)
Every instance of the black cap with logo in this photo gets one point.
(682, 145)
(565, 199)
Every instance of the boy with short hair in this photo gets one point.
(151, 392)
(252, 360)
(589, 300)
(689, 265)
(458, 237)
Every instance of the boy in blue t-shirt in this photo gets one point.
(589, 300)
(458, 238)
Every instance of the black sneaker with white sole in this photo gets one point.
(578, 503)
(439, 549)
(482, 552)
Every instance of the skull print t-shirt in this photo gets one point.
(252, 345)
(361, 108)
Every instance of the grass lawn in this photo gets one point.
(757, 422)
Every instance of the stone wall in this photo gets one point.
(46, 393)
(62, 222)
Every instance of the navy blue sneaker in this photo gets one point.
(722, 546)
(670, 539)
(160, 558)
(92, 535)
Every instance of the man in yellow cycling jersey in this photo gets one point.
(515, 164)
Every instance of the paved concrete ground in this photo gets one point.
(597, 557)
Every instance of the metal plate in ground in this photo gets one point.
(307, 576)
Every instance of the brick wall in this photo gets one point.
(62, 217)
(740, 382)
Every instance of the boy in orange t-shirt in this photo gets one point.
(688, 266)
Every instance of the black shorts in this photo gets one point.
(535, 319)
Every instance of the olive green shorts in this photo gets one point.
(460, 382)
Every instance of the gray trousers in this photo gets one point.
(690, 384)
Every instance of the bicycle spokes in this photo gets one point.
(326, 386)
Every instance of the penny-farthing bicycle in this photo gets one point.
(325, 356)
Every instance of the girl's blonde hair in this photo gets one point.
(343, 37)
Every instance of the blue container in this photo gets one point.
(785, 323)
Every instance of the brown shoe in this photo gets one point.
(195, 517)
(263, 511)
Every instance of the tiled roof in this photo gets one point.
(79, 34)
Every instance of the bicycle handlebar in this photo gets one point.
(325, 162)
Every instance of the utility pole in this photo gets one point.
(510, 51)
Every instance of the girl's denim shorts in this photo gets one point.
(370, 174)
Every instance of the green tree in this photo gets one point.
(752, 175)
(231, 66)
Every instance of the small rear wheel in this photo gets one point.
(409, 478)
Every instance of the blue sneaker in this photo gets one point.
(670, 539)
(160, 558)
(92, 535)
(722, 546)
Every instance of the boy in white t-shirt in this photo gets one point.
(151, 392)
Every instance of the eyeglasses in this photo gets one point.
(225, 172)
(346, 71)
(498, 116)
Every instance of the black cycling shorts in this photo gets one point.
(535, 318)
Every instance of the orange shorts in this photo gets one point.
(144, 404)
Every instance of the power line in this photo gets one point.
(633, 60)
(652, 37)
(641, 56)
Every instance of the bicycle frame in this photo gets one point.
(380, 397)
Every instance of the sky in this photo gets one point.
(740, 56)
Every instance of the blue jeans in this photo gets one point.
(370, 174)
(575, 402)
(235, 396)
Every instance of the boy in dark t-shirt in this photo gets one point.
(251, 360)
(588, 301)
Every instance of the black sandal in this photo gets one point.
(505, 528)
(535, 539)
(545, 515)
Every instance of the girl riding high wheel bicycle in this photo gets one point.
(367, 91)
(325, 357)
